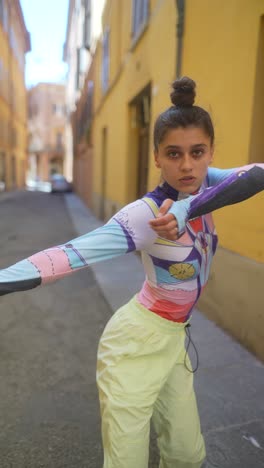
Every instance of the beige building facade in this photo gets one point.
(47, 119)
(83, 140)
(83, 29)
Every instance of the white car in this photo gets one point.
(58, 183)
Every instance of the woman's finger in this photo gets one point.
(164, 208)
(162, 221)
(170, 235)
(166, 228)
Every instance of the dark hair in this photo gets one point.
(182, 113)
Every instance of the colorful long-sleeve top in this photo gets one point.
(176, 271)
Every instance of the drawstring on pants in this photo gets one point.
(188, 334)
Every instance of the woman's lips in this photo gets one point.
(187, 180)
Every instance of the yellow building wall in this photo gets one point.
(223, 51)
(132, 67)
(4, 105)
(220, 53)
(13, 110)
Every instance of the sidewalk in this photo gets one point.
(230, 381)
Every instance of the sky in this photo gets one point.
(46, 21)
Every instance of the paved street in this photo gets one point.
(49, 414)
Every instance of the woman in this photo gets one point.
(143, 370)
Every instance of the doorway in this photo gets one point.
(103, 173)
(140, 109)
(13, 172)
(2, 171)
(257, 133)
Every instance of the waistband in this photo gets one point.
(154, 320)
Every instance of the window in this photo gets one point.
(5, 17)
(4, 14)
(89, 101)
(77, 75)
(59, 140)
(140, 16)
(81, 67)
(58, 109)
(87, 25)
(105, 61)
(2, 11)
(13, 137)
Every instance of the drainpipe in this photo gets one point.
(180, 5)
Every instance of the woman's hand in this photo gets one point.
(165, 225)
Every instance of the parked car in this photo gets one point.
(37, 185)
(59, 183)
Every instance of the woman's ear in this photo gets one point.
(157, 164)
(212, 154)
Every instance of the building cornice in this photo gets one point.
(65, 46)
(17, 6)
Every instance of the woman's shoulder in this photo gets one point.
(134, 219)
(143, 208)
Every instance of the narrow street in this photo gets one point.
(49, 412)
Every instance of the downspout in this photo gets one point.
(180, 4)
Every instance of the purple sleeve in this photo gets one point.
(239, 185)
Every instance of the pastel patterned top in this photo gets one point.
(176, 272)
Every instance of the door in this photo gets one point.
(142, 103)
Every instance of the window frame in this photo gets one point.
(105, 70)
(140, 18)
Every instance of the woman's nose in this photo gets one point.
(186, 163)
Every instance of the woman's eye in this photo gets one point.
(198, 153)
(174, 154)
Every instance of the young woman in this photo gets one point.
(143, 369)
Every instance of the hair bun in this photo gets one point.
(183, 94)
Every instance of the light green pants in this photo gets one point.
(141, 374)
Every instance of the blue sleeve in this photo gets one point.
(127, 231)
(215, 175)
(227, 189)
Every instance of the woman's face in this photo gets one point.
(183, 157)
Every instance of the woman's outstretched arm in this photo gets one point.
(127, 231)
(226, 187)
